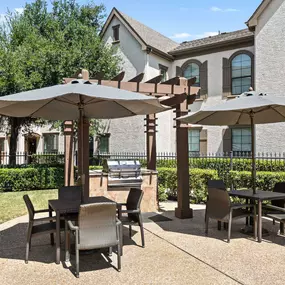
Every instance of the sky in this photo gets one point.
(181, 20)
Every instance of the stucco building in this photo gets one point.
(225, 66)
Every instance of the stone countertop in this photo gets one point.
(99, 172)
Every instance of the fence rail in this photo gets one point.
(221, 161)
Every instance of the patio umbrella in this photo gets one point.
(249, 108)
(78, 100)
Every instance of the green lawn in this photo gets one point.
(13, 205)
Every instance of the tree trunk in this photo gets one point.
(15, 124)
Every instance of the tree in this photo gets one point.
(39, 47)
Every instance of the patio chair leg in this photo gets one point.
(130, 231)
(67, 242)
(273, 222)
(28, 243)
(230, 227)
(225, 225)
(206, 225)
(110, 251)
(77, 254)
(119, 256)
(281, 228)
(142, 230)
(121, 238)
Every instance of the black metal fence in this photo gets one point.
(220, 161)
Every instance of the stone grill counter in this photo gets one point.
(99, 187)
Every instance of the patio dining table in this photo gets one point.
(63, 207)
(259, 196)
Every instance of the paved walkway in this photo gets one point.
(176, 252)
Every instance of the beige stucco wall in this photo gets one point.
(270, 70)
(215, 92)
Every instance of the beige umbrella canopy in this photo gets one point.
(249, 108)
(77, 100)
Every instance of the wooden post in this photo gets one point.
(68, 154)
(151, 141)
(183, 211)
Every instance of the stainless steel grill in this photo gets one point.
(123, 173)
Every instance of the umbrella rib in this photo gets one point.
(41, 107)
(239, 117)
(277, 112)
(67, 101)
(125, 107)
(198, 122)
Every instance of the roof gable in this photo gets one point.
(252, 22)
(143, 34)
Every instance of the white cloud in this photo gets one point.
(205, 35)
(180, 36)
(217, 9)
(19, 10)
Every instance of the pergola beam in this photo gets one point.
(146, 88)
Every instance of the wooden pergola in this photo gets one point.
(177, 93)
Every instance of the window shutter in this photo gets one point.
(179, 71)
(226, 77)
(227, 140)
(203, 141)
(204, 78)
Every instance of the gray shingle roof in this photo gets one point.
(222, 38)
(150, 36)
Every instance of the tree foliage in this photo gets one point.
(40, 46)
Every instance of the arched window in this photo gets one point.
(241, 73)
(192, 70)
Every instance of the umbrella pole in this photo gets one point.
(80, 152)
(253, 152)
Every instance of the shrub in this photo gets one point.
(31, 178)
(162, 195)
(265, 180)
(167, 179)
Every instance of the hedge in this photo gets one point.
(31, 178)
(167, 179)
(265, 180)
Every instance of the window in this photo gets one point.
(51, 143)
(116, 34)
(241, 73)
(163, 71)
(2, 144)
(194, 141)
(104, 143)
(192, 70)
(241, 139)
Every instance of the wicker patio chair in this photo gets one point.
(220, 207)
(216, 184)
(133, 210)
(40, 229)
(276, 210)
(97, 227)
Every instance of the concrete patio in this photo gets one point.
(176, 252)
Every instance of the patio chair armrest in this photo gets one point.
(131, 211)
(273, 208)
(43, 211)
(118, 222)
(242, 206)
(72, 226)
(45, 219)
